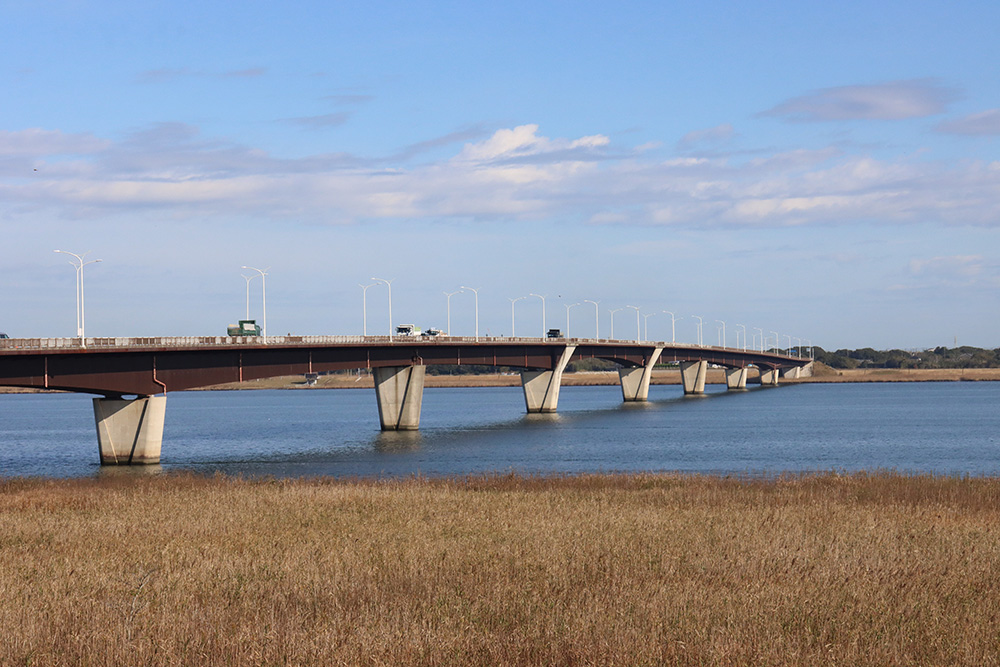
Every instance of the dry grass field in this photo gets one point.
(876, 569)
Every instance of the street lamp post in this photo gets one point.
(248, 279)
(645, 325)
(613, 311)
(476, 292)
(597, 319)
(722, 330)
(744, 337)
(448, 299)
(638, 332)
(568, 306)
(263, 297)
(512, 302)
(388, 284)
(364, 307)
(700, 323)
(78, 265)
(798, 347)
(777, 342)
(788, 350)
(543, 311)
(761, 337)
(673, 327)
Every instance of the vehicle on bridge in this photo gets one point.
(554, 333)
(407, 330)
(431, 331)
(3, 335)
(244, 328)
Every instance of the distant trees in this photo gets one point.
(939, 357)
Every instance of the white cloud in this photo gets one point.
(982, 124)
(893, 100)
(514, 174)
(713, 136)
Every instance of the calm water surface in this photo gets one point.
(951, 428)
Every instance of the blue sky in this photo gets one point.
(827, 172)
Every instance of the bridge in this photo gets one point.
(132, 376)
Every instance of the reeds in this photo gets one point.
(864, 569)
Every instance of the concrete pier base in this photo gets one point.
(736, 378)
(635, 381)
(791, 373)
(541, 388)
(769, 377)
(693, 374)
(399, 391)
(130, 432)
(807, 370)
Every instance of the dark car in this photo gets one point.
(554, 333)
(3, 335)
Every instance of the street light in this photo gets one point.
(645, 324)
(613, 311)
(673, 329)
(597, 319)
(722, 330)
(543, 311)
(788, 350)
(700, 323)
(364, 307)
(512, 302)
(798, 348)
(388, 283)
(744, 337)
(761, 337)
(248, 279)
(568, 306)
(78, 265)
(449, 295)
(637, 332)
(777, 342)
(263, 297)
(476, 292)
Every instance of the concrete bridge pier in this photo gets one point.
(736, 378)
(399, 391)
(635, 381)
(693, 374)
(541, 388)
(769, 377)
(793, 373)
(130, 432)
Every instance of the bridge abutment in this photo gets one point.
(541, 388)
(399, 391)
(130, 432)
(736, 378)
(635, 381)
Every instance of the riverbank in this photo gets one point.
(865, 569)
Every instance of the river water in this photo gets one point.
(943, 428)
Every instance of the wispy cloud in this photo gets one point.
(166, 75)
(982, 124)
(713, 136)
(510, 174)
(322, 121)
(894, 100)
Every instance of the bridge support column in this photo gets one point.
(693, 374)
(792, 373)
(635, 381)
(768, 377)
(399, 391)
(541, 388)
(736, 378)
(130, 432)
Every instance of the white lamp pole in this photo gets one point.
(597, 319)
(673, 326)
(388, 283)
(638, 332)
(364, 307)
(512, 302)
(777, 342)
(613, 311)
(645, 325)
(476, 292)
(248, 279)
(700, 323)
(543, 312)
(263, 296)
(448, 296)
(722, 330)
(568, 306)
(78, 265)
(744, 337)
(761, 337)
(798, 347)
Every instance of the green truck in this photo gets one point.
(244, 328)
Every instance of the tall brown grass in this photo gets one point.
(876, 569)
